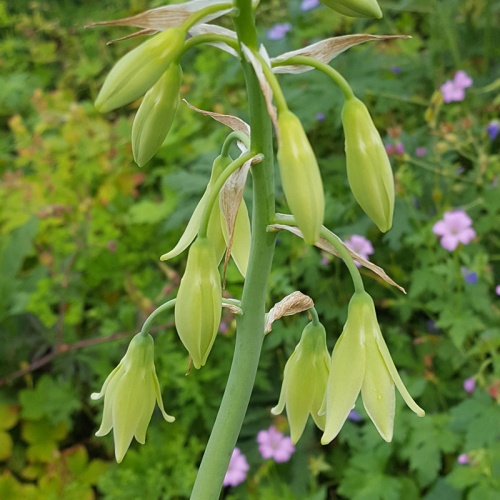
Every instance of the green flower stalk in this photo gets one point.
(355, 8)
(136, 72)
(300, 176)
(361, 362)
(368, 168)
(199, 302)
(304, 381)
(130, 392)
(155, 115)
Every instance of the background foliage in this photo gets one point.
(82, 227)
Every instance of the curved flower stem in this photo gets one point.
(214, 191)
(210, 38)
(314, 315)
(338, 79)
(234, 136)
(250, 332)
(149, 320)
(196, 17)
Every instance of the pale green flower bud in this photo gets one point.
(368, 167)
(155, 115)
(300, 176)
(136, 72)
(130, 392)
(362, 363)
(199, 302)
(355, 8)
(304, 381)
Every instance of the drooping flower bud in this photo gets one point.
(155, 115)
(355, 8)
(362, 362)
(368, 167)
(136, 72)
(199, 302)
(130, 392)
(300, 176)
(304, 381)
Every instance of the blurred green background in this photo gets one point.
(82, 229)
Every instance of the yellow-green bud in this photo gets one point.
(199, 302)
(304, 381)
(155, 115)
(130, 392)
(362, 363)
(136, 72)
(355, 8)
(368, 167)
(300, 176)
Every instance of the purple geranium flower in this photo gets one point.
(463, 459)
(273, 444)
(308, 4)
(278, 31)
(493, 129)
(470, 277)
(454, 228)
(454, 90)
(361, 245)
(469, 384)
(420, 151)
(354, 416)
(237, 469)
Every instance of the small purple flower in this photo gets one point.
(354, 416)
(493, 129)
(469, 384)
(431, 326)
(463, 459)
(361, 245)
(223, 327)
(325, 261)
(497, 290)
(237, 469)
(395, 149)
(308, 4)
(470, 277)
(454, 90)
(273, 444)
(320, 116)
(421, 151)
(454, 228)
(396, 70)
(278, 31)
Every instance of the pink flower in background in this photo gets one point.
(454, 90)
(278, 31)
(497, 290)
(454, 228)
(273, 444)
(420, 151)
(237, 469)
(361, 245)
(463, 459)
(469, 384)
(395, 149)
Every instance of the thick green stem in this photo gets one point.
(250, 332)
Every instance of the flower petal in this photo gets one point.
(159, 399)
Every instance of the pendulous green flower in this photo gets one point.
(130, 392)
(362, 362)
(304, 381)
(355, 8)
(136, 72)
(368, 168)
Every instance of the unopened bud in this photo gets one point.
(136, 72)
(199, 302)
(300, 177)
(355, 8)
(368, 167)
(155, 115)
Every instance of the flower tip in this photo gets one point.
(276, 411)
(95, 396)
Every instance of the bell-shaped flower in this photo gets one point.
(304, 381)
(130, 392)
(355, 8)
(300, 177)
(155, 115)
(362, 363)
(136, 72)
(368, 168)
(199, 302)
